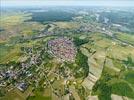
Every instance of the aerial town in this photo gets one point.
(82, 53)
(62, 48)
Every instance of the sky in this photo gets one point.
(115, 3)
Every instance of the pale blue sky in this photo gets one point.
(67, 3)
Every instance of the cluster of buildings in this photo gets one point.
(11, 77)
(15, 75)
(62, 48)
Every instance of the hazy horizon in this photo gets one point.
(111, 3)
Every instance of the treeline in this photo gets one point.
(79, 42)
(82, 62)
